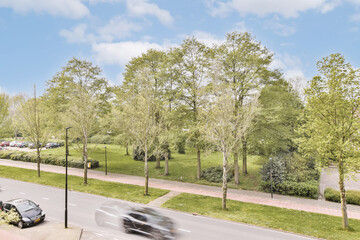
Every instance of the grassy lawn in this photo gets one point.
(108, 189)
(180, 166)
(311, 224)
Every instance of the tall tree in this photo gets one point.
(80, 95)
(333, 125)
(32, 120)
(4, 107)
(193, 67)
(141, 111)
(222, 127)
(243, 64)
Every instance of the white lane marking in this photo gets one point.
(2, 189)
(99, 234)
(22, 193)
(45, 198)
(184, 230)
(72, 204)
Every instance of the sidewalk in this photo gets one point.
(295, 203)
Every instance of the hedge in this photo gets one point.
(46, 159)
(308, 189)
(352, 196)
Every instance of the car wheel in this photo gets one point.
(127, 230)
(20, 224)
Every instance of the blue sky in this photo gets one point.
(38, 37)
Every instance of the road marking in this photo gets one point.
(72, 204)
(45, 198)
(22, 193)
(2, 189)
(184, 230)
(99, 234)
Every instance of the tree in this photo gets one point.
(140, 110)
(193, 67)
(32, 119)
(78, 96)
(223, 128)
(4, 107)
(242, 63)
(333, 125)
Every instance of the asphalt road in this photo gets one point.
(82, 206)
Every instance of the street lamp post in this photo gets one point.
(105, 162)
(271, 180)
(66, 176)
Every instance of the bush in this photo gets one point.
(46, 159)
(139, 155)
(9, 217)
(302, 189)
(352, 197)
(101, 139)
(215, 174)
(274, 168)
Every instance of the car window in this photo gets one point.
(138, 217)
(7, 206)
(25, 206)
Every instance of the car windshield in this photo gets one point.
(26, 206)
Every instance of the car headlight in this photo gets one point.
(26, 219)
(42, 213)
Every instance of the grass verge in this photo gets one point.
(311, 224)
(108, 189)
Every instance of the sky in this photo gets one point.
(38, 37)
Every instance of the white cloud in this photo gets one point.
(240, 27)
(118, 27)
(122, 52)
(66, 8)
(280, 28)
(143, 7)
(286, 8)
(355, 17)
(76, 34)
(207, 38)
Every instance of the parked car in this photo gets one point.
(52, 145)
(149, 222)
(33, 146)
(23, 144)
(13, 143)
(5, 144)
(29, 212)
(18, 144)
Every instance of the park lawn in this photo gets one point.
(306, 223)
(181, 166)
(108, 189)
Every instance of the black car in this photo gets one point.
(29, 212)
(150, 222)
(52, 145)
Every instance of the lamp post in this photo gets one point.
(271, 181)
(105, 162)
(66, 176)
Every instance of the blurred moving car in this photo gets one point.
(150, 222)
(29, 212)
(52, 145)
(5, 144)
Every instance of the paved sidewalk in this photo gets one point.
(309, 205)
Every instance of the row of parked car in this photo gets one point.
(30, 145)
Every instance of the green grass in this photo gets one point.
(180, 166)
(311, 224)
(108, 189)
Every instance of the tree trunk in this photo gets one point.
(342, 194)
(244, 154)
(236, 167)
(38, 159)
(224, 185)
(146, 171)
(166, 162)
(127, 149)
(85, 161)
(157, 161)
(198, 162)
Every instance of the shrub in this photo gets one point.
(9, 217)
(215, 174)
(302, 189)
(352, 197)
(46, 159)
(101, 139)
(275, 168)
(139, 155)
